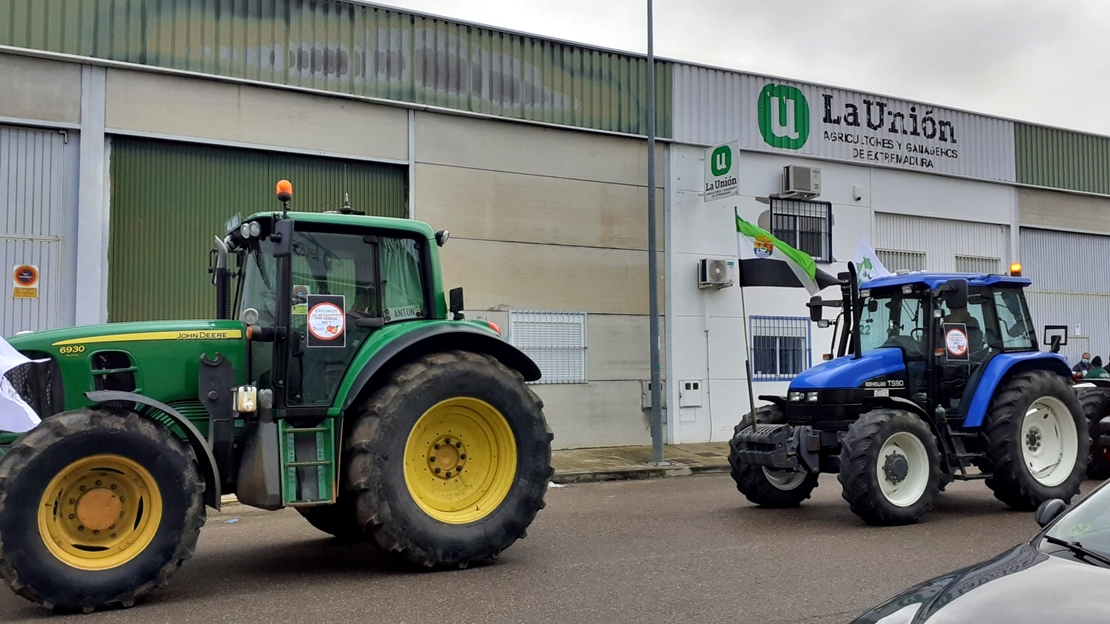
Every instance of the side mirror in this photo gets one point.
(872, 306)
(1049, 511)
(955, 294)
(823, 323)
(456, 303)
(815, 308)
(1055, 336)
(282, 238)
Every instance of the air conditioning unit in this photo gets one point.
(800, 181)
(714, 273)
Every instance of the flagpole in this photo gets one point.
(748, 345)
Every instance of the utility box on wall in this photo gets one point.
(689, 393)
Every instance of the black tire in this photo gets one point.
(754, 482)
(384, 506)
(862, 478)
(34, 460)
(1002, 442)
(1096, 406)
(337, 520)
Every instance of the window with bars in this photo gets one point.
(804, 225)
(977, 264)
(556, 341)
(780, 347)
(899, 260)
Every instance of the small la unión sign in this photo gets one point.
(722, 176)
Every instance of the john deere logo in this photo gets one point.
(783, 116)
(721, 161)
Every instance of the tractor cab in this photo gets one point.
(922, 336)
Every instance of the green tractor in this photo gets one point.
(349, 389)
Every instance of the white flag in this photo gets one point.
(868, 265)
(15, 415)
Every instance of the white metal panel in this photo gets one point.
(941, 240)
(36, 211)
(1085, 315)
(31, 314)
(895, 260)
(557, 341)
(1065, 261)
(713, 106)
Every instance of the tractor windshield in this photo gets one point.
(892, 319)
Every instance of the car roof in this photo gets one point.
(932, 280)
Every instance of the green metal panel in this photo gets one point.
(353, 48)
(169, 200)
(1062, 159)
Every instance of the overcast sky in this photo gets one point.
(1045, 61)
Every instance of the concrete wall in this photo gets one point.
(208, 109)
(548, 220)
(39, 90)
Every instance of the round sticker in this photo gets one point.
(325, 321)
(956, 341)
(26, 275)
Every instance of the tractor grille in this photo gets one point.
(40, 385)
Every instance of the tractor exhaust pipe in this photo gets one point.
(222, 281)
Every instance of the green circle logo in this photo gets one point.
(721, 162)
(783, 116)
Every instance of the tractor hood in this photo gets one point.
(850, 372)
(52, 341)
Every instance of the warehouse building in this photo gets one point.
(131, 132)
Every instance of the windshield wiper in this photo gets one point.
(1078, 549)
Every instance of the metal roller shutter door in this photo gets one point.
(169, 200)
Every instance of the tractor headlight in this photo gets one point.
(812, 397)
(796, 396)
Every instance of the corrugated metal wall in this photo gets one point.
(1062, 159)
(1065, 261)
(36, 208)
(941, 240)
(168, 201)
(353, 48)
(712, 106)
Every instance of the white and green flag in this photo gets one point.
(868, 265)
(767, 261)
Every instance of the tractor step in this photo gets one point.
(978, 476)
(308, 463)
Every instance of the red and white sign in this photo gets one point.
(326, 322)
(25, 281)
(955, 341)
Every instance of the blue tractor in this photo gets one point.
(937, 377)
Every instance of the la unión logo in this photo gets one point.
(783, 116)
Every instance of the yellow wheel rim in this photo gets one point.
(100, 512)
(460, 460)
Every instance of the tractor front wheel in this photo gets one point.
(448, 461)
(768, 487)
(890, 467)
(97, 508)
(1096, 406)
(1036, 440)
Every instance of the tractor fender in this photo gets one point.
(1001, 366)
(436, 338)
(205, 460)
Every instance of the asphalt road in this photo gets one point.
(688, 549)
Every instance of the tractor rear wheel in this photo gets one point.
(1096, 406)
(97, 508)
(448, 461)
(890, 467)
(768, 487)
(1036, 440)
